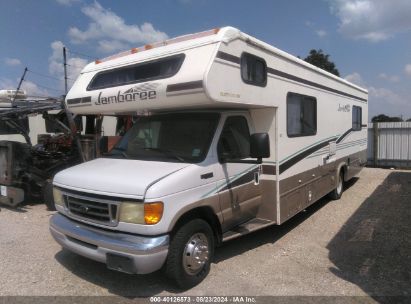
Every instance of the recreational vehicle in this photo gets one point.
(9, 95)
(237, 136)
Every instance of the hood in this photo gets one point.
(116, 177)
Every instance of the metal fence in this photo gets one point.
(389, 144)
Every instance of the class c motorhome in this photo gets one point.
(236, 135)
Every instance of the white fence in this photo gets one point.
(389, 144)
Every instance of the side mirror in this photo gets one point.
(259, 146)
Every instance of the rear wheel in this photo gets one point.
(190, 253)
(337, 192)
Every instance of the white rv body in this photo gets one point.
(7, 96)
(229, 74)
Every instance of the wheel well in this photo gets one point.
(343, 169)
(205, 213)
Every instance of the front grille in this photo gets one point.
(93, 209)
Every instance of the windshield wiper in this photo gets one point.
(167, 153)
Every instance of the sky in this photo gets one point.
(368, 40)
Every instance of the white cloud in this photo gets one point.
(386, 101)
(356, 79)
(321, 33)
(407, 69)
(111, 32)
(12, 61)
(33, 90)
(382, 100)
(75, 64)
(388, 96)
(390, 78)
(67, 2)
(372, 20)
(111, 46)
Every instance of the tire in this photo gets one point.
(339, 189)
(48, 196)
(193, 239)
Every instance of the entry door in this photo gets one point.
(239, 187)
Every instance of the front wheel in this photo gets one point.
(190, 254)
(337, 192)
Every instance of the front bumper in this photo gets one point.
(119, 251)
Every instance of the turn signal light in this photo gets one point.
(153, 212)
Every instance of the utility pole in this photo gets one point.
(69, 115)
(65, 69)
(21, 80)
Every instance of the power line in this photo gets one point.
(47, 88)
(80, 54)
(47, 76)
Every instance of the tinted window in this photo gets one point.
(234, 141)
(356, 118)
(156, 69)
(301, 115)
(253, 70)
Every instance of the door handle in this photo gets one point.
(256, 178)
(207, 175)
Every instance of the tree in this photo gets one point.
(321, 60)
(409, 119)
(385, 118)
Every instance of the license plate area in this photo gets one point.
(120, 263)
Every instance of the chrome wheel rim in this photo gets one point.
(196, 253)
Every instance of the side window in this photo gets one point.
(141, 72)
(253, 70)
(234, 140)
(356, 118)
(301, 115)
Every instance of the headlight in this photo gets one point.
(132, 213)
(58, 197)
(139, 213)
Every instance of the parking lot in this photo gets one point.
(359, 245)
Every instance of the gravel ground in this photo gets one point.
(358, 246)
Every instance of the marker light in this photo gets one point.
(159, 44)
(153, 212)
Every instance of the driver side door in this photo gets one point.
(239, 189)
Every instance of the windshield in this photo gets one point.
(181, 137)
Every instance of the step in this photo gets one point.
(247, 227)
